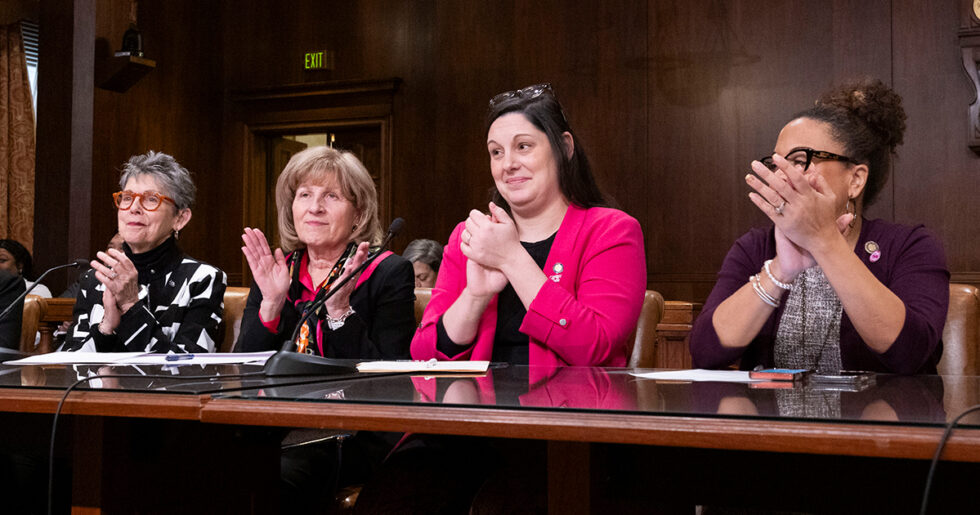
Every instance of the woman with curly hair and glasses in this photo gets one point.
(825, 288)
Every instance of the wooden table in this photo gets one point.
(239, 436)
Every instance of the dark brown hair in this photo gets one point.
(867, 117)
(575, 178)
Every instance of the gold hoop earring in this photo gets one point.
(852, 210)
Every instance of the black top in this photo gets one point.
(380, 328)
(11, 287)
(510, 345)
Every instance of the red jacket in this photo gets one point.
(582, 316)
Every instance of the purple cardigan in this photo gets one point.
(912, 265)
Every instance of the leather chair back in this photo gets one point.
(34, 307)
(643, 354)
(961, 336)
(235, 297)
(422, 296)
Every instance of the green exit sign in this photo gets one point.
(319, 60)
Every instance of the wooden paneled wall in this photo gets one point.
(671, 100)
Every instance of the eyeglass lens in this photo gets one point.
(149, 200)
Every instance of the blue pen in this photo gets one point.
(179, 357)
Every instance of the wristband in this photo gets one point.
(762, 293)
(773, 278)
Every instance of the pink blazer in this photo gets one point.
(582, 316)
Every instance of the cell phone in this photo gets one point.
(843, 378)
(779, 374)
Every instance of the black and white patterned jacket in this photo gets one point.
(181, 301)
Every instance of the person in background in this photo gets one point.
(16, 259)
(149, 296)
(328, 219)
(11, 287)
(824, 288)
(425, 256)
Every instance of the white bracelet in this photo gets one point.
(762, 293)
(337, 323)
(773, 278)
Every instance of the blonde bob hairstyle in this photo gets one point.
(315, 165)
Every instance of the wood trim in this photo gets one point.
(104, 403)
(869, 440)
(317, 89)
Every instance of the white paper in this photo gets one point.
(424, 366)
(142, 358)
(699, 374)
(73, 358)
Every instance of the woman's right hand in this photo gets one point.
(269, 271)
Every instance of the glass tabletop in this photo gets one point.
(907, 400)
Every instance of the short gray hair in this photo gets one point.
(426, 251)
(174, 179)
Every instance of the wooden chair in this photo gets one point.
(644, 337)
(34, 308)
(235, 297)
(422, 296)
(961, 336)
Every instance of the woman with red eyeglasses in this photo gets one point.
(825, 288)
(149, 296)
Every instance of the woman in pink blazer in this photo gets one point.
(549, 276)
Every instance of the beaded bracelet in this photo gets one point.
(773, 278)
(762, 293)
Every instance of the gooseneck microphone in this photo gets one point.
(287, 362)
(76, 264)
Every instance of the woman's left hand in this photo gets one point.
(119, 276)
(490, 240)
(803, 207)
(339, 303)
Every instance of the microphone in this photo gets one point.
(76, 264)
(287, 362)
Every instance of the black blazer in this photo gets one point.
(380, 328)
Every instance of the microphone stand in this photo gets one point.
(77, 263)
(287, 362)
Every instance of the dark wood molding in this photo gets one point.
(969, 39)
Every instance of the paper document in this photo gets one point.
(73, 358)
(432, 365)
(698, 374)
(143, 358)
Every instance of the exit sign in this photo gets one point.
(319, 60)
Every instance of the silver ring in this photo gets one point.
(779, 208)
(114, 274)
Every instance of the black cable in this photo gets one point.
(54, 424)
(939, 452)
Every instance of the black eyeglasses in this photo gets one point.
(529, 92)
(803, 156)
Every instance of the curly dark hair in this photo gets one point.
(867, 117)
